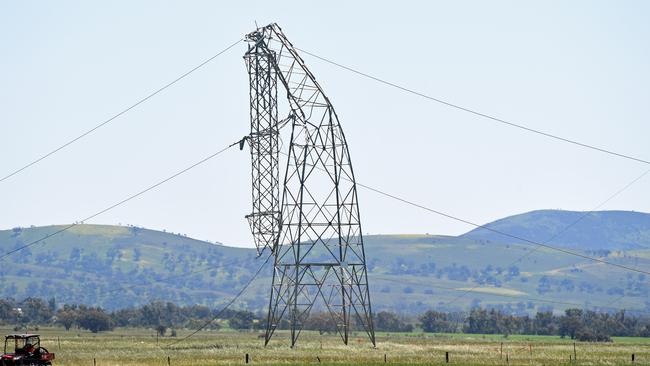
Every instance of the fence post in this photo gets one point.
(501, 351)
(169, 361)
(94, 362)
(446, 357)
(59, 340)
(633, 358)
(247, 358)
(385, 357)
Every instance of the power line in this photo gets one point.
(480, 114)
(61, 147)
(218, 314)
(65, 228)
(564, 230)
(440, 213)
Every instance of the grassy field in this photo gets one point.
(141, 347)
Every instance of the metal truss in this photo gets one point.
(319, 253)
(264, 220)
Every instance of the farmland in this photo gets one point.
(226, 347)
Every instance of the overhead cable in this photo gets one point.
(565, 229)
(104, 123)
(527, 241)
(133, 196)
(220, 312)
(477, 113)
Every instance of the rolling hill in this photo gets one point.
(608, 230)
(120, 266)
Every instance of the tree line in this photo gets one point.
(166, 317)
(583, 325)
(161, 316)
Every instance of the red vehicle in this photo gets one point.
(25, 350)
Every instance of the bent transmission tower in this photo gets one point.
(314, 230)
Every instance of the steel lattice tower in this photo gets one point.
(315, 232)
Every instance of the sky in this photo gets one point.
(577, 69)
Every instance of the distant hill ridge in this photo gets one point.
(610, 230)
(121, 266)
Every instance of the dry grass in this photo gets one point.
(139, 347)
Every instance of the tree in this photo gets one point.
(161, 330)
(571, 322)
(35, 311)
(94, 319)
(545, 323)
(8, 311)
(136, 254)
(242, 320)
(390, 322)
(66, 317)
(478, 321)
(435, 322)
(645, 332)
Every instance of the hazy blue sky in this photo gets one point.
(578, 69)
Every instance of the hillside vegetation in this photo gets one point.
(118, 266)
(610, 230)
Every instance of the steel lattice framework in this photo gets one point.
(263, 140)
(315, 231)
